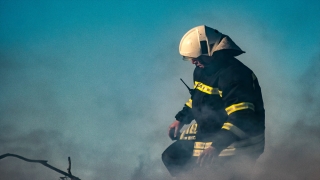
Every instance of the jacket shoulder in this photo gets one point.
(197, 73)
(235, 71)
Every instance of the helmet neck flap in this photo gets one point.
(203, 40)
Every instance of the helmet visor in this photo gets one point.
(186, 58)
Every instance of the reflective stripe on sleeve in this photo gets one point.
(189, 103)
(205, 88)
(247, 146)
(235, 130)
(240, 106)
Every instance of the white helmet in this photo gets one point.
(200, 40)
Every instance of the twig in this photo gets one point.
(69, 168)
(43, 162)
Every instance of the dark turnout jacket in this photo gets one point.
(226, 104)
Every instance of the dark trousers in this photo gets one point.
(178, 157)
(179, 161)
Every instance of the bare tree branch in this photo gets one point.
(43, 162)
(69, 168)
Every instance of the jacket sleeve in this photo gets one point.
(238, 95)
(185, 115)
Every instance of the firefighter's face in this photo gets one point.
(196, 61)
(202, 61)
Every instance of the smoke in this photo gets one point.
(36, 145)
(293, 155)
(102, 87)
(291, 151)
(108, 119)
(296, 155)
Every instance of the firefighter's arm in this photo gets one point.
(185, 115)
(238, 97)
(174, 128)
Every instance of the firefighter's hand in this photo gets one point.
(175, 126)
(207, 156)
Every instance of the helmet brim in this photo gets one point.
(186, 58)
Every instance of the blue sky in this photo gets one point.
(95, 75)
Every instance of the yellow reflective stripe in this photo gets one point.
(183, 136)
(193, 129)
(197, 152)
(240, 106)
(235, 130)
(205, 88)
(191, 137)
(189, 103)
(249, 145)
(199, 147)
(202, 145)
(187, 130)
(227, 126)
(220, 93)
(189, 133)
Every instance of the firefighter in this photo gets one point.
(227, 106)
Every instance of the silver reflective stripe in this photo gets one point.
(246, 146)
(247, 142)
(235, 130)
